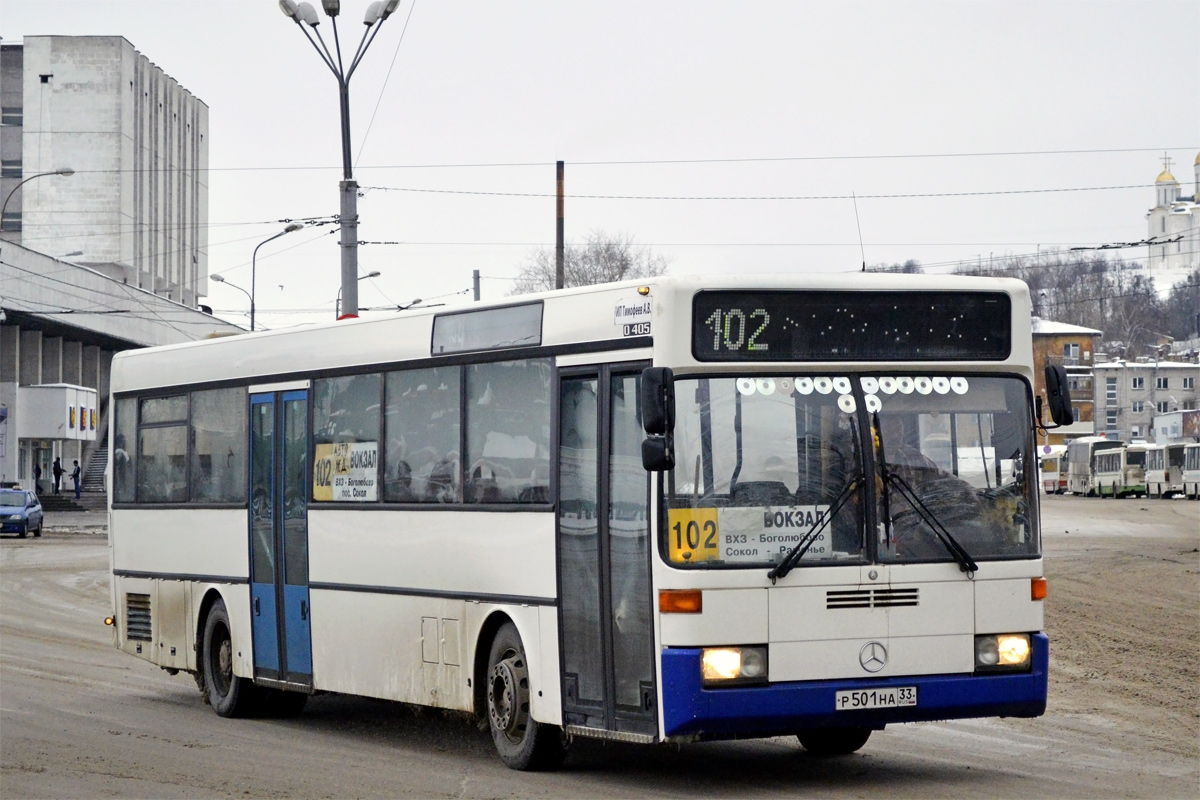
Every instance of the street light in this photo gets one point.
(337, 308)
(377, 12)
(221, 279)
(66, 172)
(295, 226)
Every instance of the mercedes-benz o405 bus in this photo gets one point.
(686, 509)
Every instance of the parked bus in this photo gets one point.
(686, 509)
(1081, 477)
(1190, 476)
(1164, 470)
(1133, 476)
(1053, 460)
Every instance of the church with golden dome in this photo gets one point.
(1173, 228)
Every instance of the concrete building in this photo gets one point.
(1175, 222)
(1072, 347)
(60, 324)
(1131, 394)
(136, 207)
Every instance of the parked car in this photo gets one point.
(20, 512)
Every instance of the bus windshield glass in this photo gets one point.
(761, 462)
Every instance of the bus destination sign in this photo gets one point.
(858, 326)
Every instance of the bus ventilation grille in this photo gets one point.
(137, 617)
(871, 598)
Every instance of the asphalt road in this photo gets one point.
(80, 719)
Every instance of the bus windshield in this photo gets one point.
(762, 461)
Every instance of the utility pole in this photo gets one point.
(558, 242)
(475, 283)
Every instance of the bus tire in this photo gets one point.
(833, 741)
(522, 743)
(228, 694)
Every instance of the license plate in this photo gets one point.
(891, 697)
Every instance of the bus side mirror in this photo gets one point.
(658, 400)
(658, 453)
(1058, 395)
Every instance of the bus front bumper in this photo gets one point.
(690, 710)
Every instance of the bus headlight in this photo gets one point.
(722, 666)
(1002, 652)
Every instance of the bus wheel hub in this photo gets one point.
(507, 694)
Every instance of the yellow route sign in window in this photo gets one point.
(692, 535)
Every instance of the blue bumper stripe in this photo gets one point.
(691, 710)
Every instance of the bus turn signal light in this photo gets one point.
(680, 601)
(109, 620)
(1037, 589)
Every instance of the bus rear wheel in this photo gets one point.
(834, 741)
(229, 695)
(522, 743)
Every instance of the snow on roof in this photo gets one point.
(1047, 327)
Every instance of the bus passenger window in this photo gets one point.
(346, 438)
(508, 432)
(421, 428)
(218, 427)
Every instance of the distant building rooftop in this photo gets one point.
(1046, 327)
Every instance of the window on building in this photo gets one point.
(11, 222)
(1138, 383)
(1135, 431)
(1110, 391)
(12, 115)
(1071, 351)
(1139, 406)
(1189, 383)
(1162, 383)
(1162, 406)
(1110, 420)
(10, 168)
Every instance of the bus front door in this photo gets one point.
(604, 550)
(279, 602)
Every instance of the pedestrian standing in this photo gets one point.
(75, 478)
(37, 478)
(58, 471)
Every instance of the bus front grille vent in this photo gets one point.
(871, 598)
(137, 617)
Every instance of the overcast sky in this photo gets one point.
(728, 136)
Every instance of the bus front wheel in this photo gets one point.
(229, 695)
(522, 743)
(834, 741)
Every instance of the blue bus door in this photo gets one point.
(279, 602)
(604, 552)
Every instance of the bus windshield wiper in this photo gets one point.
(965, 562)
(806, 541)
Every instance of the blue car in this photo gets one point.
(20, 512)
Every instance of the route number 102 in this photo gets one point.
(693, 535)
(733, 328)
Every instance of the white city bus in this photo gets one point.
(1164, 470)
(1191, 471)
(462, 509)
(1082, 465)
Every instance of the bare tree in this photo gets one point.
(603, 258)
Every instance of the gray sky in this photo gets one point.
(672, 101)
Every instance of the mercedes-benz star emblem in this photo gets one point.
(873, 656)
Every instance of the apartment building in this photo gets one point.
(1072, 347)
(1130, 394)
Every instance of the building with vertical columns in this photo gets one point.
(60, 324)
(1173, 228)
(136, 208)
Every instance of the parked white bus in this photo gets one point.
(1191, 471)
(1081, 465)
(462, 509)
(1053, 461)
(1164, 470)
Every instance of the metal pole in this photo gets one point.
(558, 242)
(349, 212)
(475, 283)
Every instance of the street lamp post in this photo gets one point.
(337, 308)
(295, 226)
(221, 279)
(66, 172)
(377, 12)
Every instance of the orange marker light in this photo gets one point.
(109, 620)
(680, 601)
(1037, 589)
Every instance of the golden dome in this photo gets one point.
(1165, 176)
(1197, 162)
